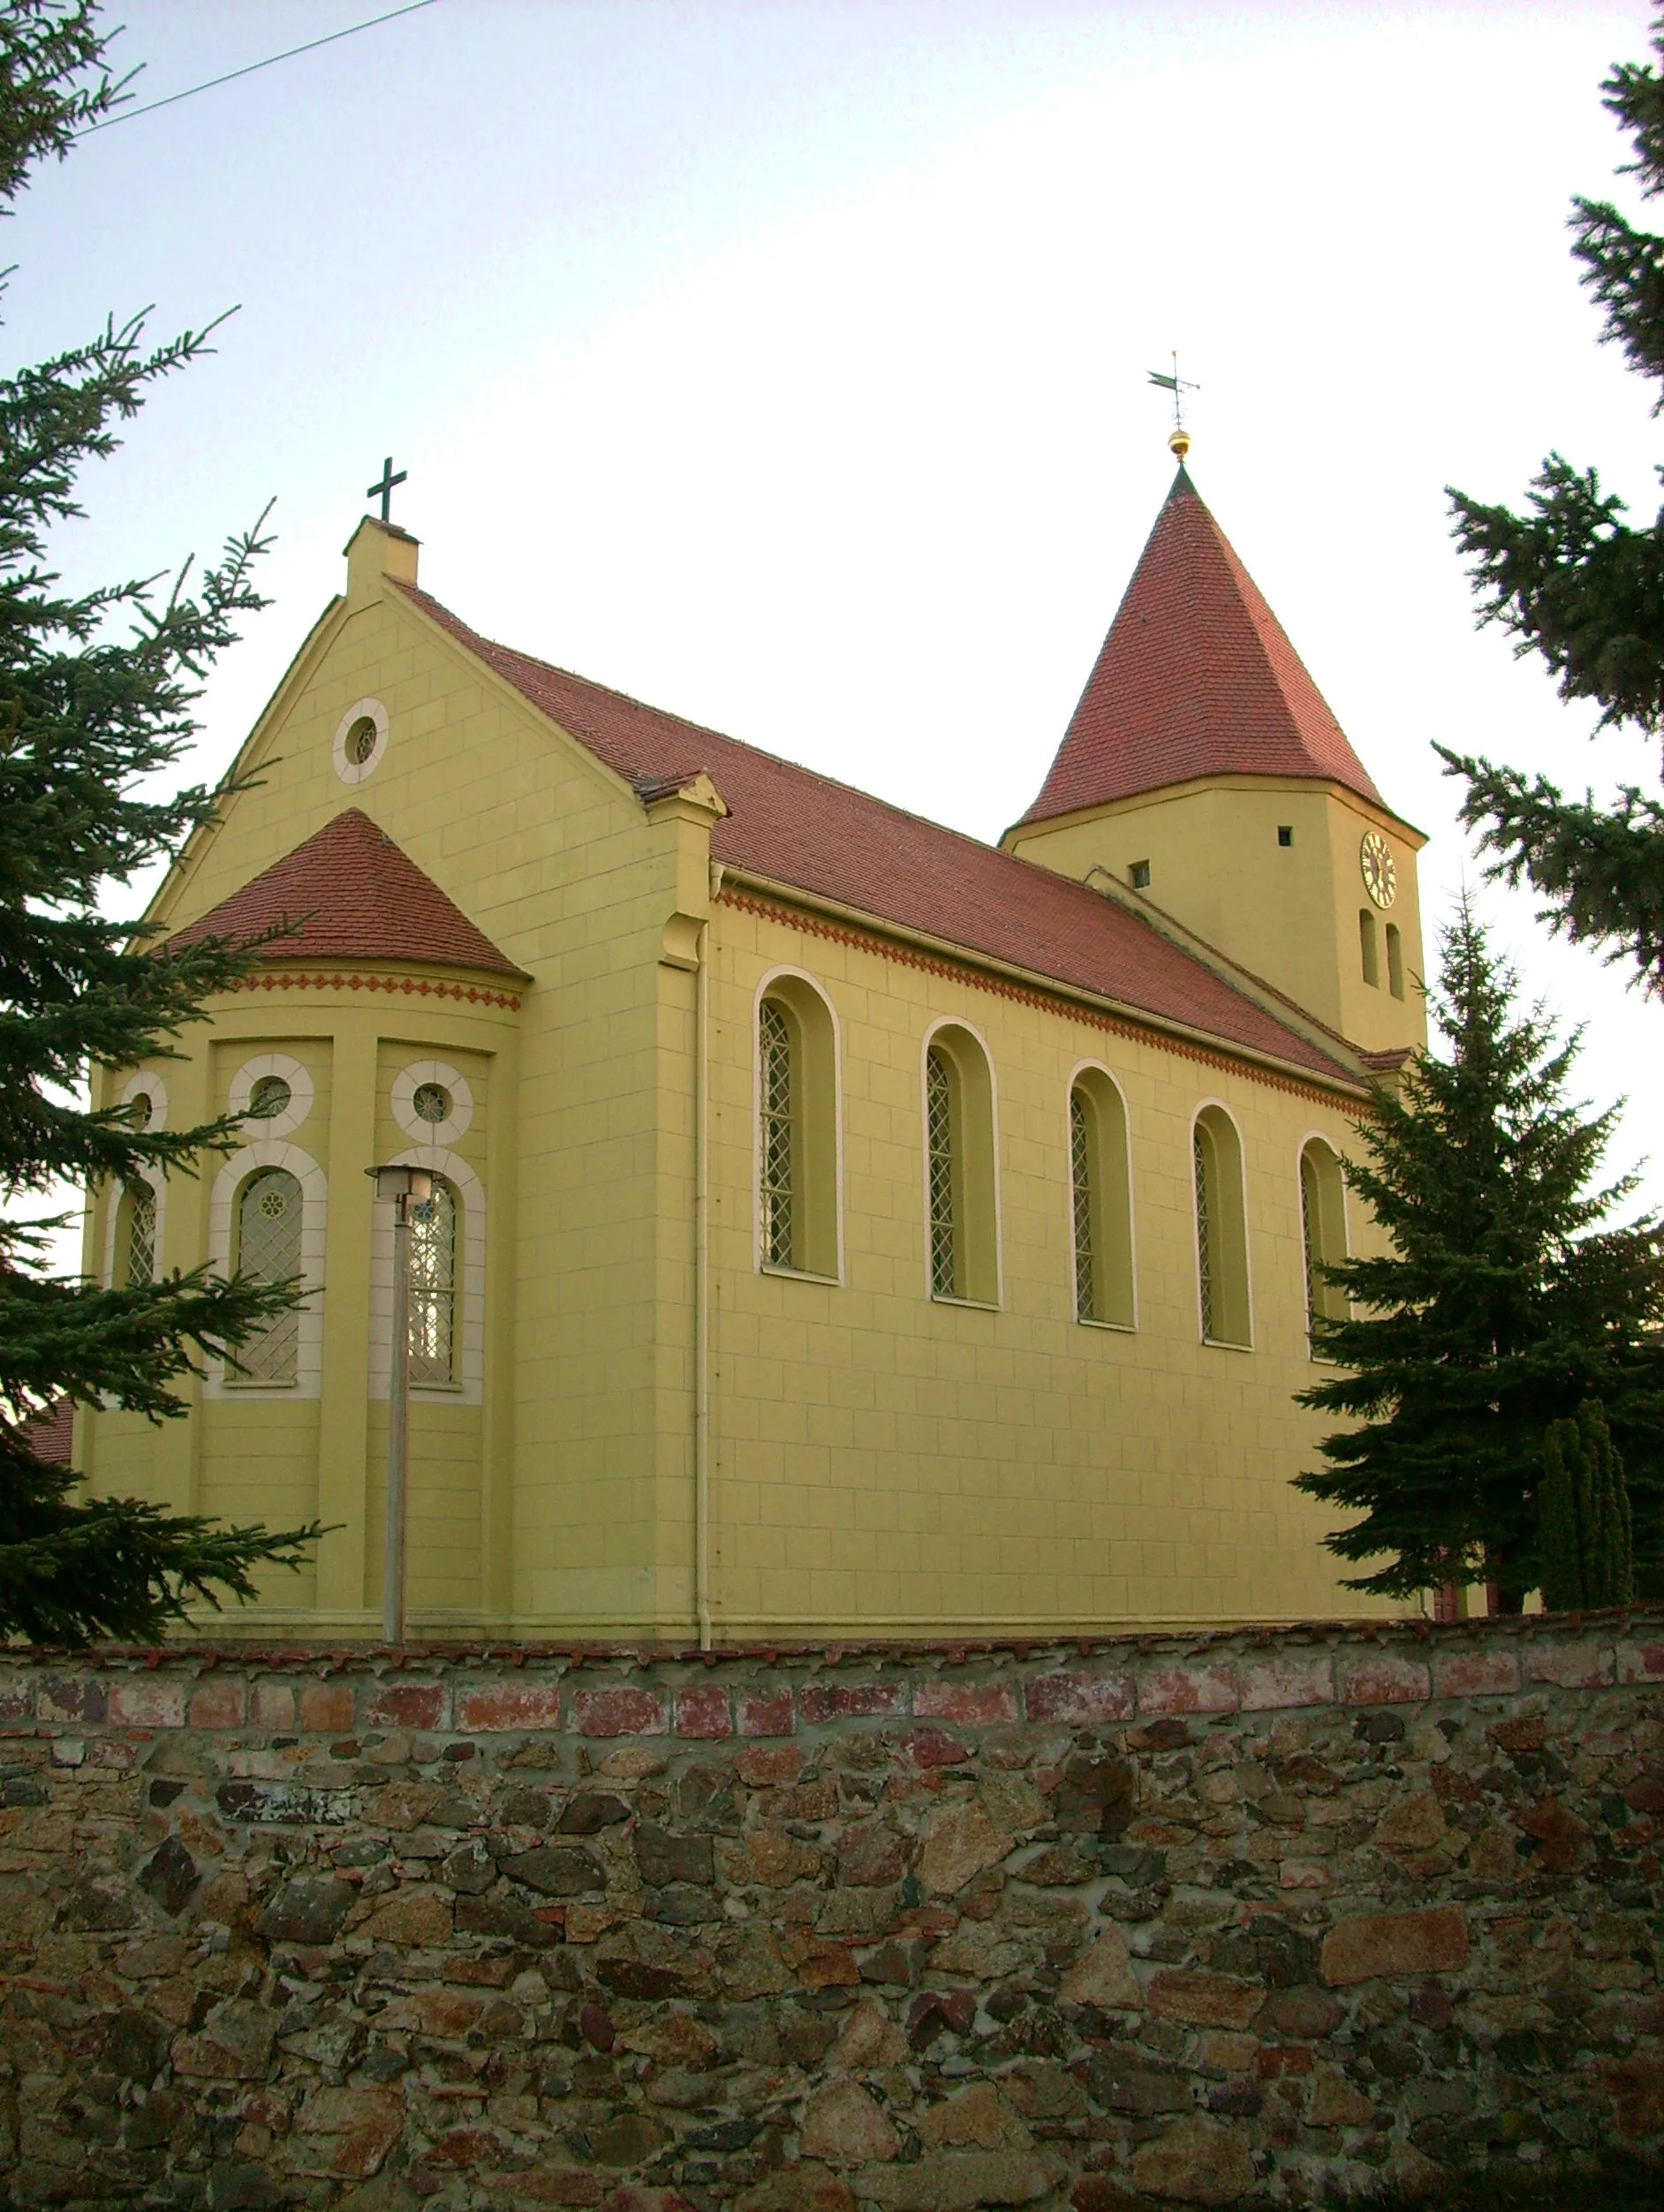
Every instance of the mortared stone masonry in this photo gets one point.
(1184, 1920)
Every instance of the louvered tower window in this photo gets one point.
(1086, 1299)
(778, 1137)
(940, 1134)
(268, 1249)
(433, 1286)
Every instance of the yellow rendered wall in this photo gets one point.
(1288, 913)
(885, 1463)
(285, 1458)
(878, 1463)
(570, 1458)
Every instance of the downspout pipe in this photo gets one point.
(702, 1291)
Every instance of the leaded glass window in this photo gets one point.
(433, 1286)
(1080, 1168)
(136, 1235)
(940, 1135)
(778, 1137)
(268, 1249)
(1206, 1237)
(269, 1098)
(1323, 1237)
(1309, 1235)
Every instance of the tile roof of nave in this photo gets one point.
(806, 831)
(1196, 678)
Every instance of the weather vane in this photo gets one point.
(1178, 442)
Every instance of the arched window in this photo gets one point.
(960, 1177)
(1221, 1230)
(797, 1129)
(1394, 960)
(1369, 950)
(778, 1136)
(135, 1258)
(941, 1114)
(268, 1249)
(433, 1286)
(1323, 1232)
(1101, 1205)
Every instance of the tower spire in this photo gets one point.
(1196, 678)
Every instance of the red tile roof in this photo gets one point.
(801, 829)
(1195, 678)
(356, 896)
(49, 1434)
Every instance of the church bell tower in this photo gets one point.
(1204, 771)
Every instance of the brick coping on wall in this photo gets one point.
(1035, 1681)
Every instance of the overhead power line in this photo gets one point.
(288, 53)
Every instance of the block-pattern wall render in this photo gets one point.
(1202, 1919)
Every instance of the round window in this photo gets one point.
(268, 1098)
(142, 1109)
(274, 1202)
(431, 1102)
(360, 741)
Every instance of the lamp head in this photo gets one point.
(415, 1184)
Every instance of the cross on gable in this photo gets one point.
(384, 489)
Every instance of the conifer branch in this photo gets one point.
(98, 696)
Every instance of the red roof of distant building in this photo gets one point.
(354, 896)
(1195, 678)
(798, 828)
(49, 1434)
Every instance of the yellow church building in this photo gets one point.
(840, 1227)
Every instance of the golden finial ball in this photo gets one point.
(1178, 445)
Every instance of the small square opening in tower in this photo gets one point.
(1285, 832)
(1140, 875)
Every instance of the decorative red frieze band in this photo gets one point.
(412, 986)
(981, 980)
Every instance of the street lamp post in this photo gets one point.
(403, 1187)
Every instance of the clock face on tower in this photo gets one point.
(1380, 878)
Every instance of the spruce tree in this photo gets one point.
(1584, 589)
(1585, 1537)
(96, 690)
(1559, 1522)
(1501, 1303)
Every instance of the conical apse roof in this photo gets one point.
(1195, 678)
(353, 894)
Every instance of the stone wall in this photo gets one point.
(1190, 1919)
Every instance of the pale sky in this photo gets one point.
(783, 363)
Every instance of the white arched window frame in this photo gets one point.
(1316, 1139)
(468, 1341)
(228, 1185)
(798, 983)
(1226, 1233)
(148, 1085)
(1094, 1071)
(115, 1272)
(945, 1034)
